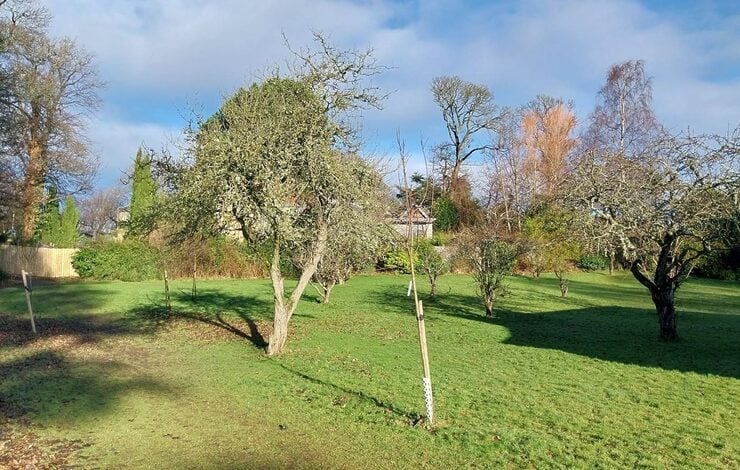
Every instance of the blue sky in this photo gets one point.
(162, 58)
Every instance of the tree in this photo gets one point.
(99, 211)
(547, 125)
(430, 263)
(266, 161)
(622, 125)
(49, 224)
(143, 192)
(665, 207)
(491, 258)
(467, 109)
(357, 238)
(550, 242)
(51, 85)
(623, 121)
(69, 226)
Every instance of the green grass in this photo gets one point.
(549, 382)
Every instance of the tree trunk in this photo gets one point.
(564, 287)
(611, 263)
(667, 320)
(327, 287)
(433, 284)
(33, 191)
(284, 308)
(488, 302)
(276, 341)
(662, 293)
(33, 195)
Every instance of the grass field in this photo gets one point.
(549, 382)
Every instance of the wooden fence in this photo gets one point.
(41, 262)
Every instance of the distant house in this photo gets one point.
(421, 223)
(122, 218)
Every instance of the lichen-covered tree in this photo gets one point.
(665, 207)
(357, 238)
(267, 161)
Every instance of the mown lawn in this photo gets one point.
(549, 382)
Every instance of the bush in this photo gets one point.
(446, 215)
(129, 260)
(720, 264)
(592, 263)
(398, 261)
(440, 238)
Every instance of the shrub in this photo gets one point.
(398, 261)
(440, 238)
(431, 263)
(445, 214)
(720, 264)
(593, 263)
(129, 260)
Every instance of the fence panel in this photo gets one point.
(40, 261)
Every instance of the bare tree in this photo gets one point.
(50, 86)
(665, 208)
(623, 120)
(467, 109)
(99, 210)
(547, 127)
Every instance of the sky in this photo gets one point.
(163, 59)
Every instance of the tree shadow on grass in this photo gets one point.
(240, 315)
(50, 387)
(410, 418)
(708, 343)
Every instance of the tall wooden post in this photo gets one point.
(27, 287)
(167, 292)
(427, 379)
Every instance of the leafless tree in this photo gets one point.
(51, 85)
(623, 121)
(664, 207)
(98, 211)
(467, 109)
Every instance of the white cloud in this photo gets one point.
(169, 50)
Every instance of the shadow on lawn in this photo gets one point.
(216, 309)
(411, 418)
(708, 343)
(47, 385)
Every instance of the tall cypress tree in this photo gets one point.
(143, 192)
(69, 227)
(49, 224)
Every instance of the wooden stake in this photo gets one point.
(27, 287)
(194, 293)
(167, 293)
(427, 379)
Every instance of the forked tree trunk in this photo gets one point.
(284, 307)
(433, 284)
(563, 286)
(326, 288)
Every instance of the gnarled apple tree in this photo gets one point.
(665, 207)
(266, 163)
